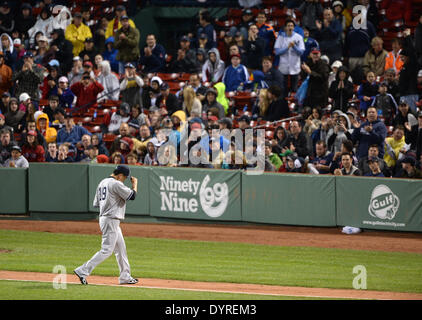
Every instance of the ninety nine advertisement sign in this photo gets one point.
(195, 194)
(379, 203)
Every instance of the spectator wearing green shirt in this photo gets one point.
(272, 157)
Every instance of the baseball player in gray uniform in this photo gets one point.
(111, 196)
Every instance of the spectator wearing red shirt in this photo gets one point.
(86, 91)
(31, 150)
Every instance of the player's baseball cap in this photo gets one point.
(123, 170)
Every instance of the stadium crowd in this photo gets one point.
(321, 83)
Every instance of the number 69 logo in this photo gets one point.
(209, 196)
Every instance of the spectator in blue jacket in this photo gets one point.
(266, 32)
(367, 91)
(110, 54)
(372, 131)
(71, 132)
(309, 44)
(153, 57)
(63, 92)
(235, 75)
(329, 36)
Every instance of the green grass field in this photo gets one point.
(200, 261)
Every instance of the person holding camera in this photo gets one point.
(86, 91)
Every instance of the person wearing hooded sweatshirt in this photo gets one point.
(341, 90)
(26, 20)
(62, 17)
(49, 133)
(14, 117)
(154, 92)
(9, 52)
(213, 68)
(110, 54)
(339, 133)
(210, 101)
(43, 24)
(110, 83)
(221, 96)
(62, 49)
(7, 17)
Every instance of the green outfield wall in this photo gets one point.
(13, 191)
(294, 199)
(189, 194)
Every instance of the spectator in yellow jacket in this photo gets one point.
(49, 133)
(115, 24)
(77, 32)
(395, 147)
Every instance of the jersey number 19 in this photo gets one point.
(102, 193)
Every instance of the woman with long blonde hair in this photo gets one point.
(167, 156)
(191, 104)
(263, 102)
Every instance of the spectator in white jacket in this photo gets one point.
(44, 24)
(213, 68)
(110, 83)
(289, 47)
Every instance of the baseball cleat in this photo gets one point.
(81, 279)
(131, 281)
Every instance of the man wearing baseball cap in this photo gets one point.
(184, 60)
(90, 51)
(410, 168)
(318, 72)
(131, 85)
(29, 78)
(16, 160)
(375, 170)
(115, 23)
(235, 75)
(126, 41)
(110, 197)
(77, 32)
